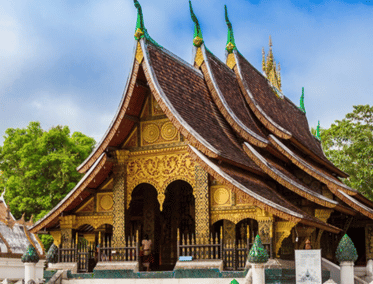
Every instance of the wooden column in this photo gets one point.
(201, 194)
(119, 198)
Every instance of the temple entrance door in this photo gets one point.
(178, 212)
(144, 217)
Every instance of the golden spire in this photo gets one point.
(270, 68)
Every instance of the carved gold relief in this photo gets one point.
(74, 222)
(56, 235)
(156, 108)
(131, 140)
(323, 214)
(283, 230)
(150, 133)
(139, 55)
(104, 202)
(87, 207)
(231, 61)
(199, 57)
(90, 237)
(201, 194)
(221, 196)
(159, 171)
(158, 132)
(95, 221)
(168, 131)
(235, 215)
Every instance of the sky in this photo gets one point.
(66, 62)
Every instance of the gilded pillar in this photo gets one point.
(119, 198)
(67, 224)
(201, 194)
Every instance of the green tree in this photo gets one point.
(348, 143)
(39, 167)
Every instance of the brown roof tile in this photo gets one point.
(186, 90)
(280, 110)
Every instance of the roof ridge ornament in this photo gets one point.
(140, 26)
(198, 38)
(141, 31)
(231, 44)
(318, 136)
(301, 103)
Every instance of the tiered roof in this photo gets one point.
(239, 127)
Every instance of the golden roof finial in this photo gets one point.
(270, 68)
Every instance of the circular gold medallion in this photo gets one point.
(151, 133)
(106, 202)
(221, 196)
(168, 131)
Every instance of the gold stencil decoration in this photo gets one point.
(150, 133)
(104, 202)
(221, 196)
(168, 131)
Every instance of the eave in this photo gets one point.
(92, 179)
(258, 200)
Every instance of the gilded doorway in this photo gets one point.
(178, 212)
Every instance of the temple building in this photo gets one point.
(14, 241)
(209, 149)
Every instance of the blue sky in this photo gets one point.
(66, 62)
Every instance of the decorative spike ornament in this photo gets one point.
(52, 254)
(263, 61)
(30, 255)
(346, 250)
(318, 136)
(234, 281)
(140, 26)
(272, 70)
(231, 44)
(301, 103)
(198, 39)
(257, 253)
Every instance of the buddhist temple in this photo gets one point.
(208, 152)
(14, 240)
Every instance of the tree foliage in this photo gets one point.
(39, 167)
(348, 143)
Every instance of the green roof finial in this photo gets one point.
(231, 45)
(301, 104)
(234, 281)
(140, 26)
(318, 136)
(346, 250)
(257, 253)
(198, 39)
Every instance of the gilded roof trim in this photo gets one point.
(304, 165)
(261, 115)
(71, 196)
(113, 127)
(261, 202)
(225, 109)
(284, 180)
(167, 107)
